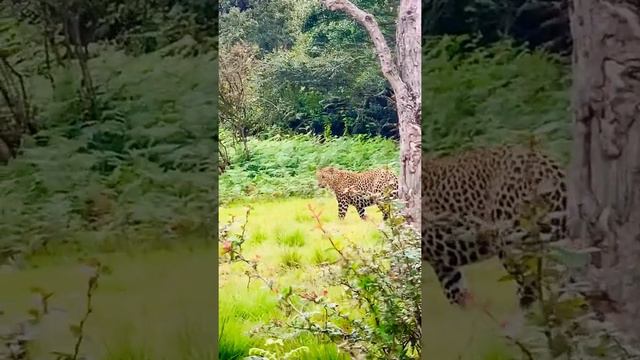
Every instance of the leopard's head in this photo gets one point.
(325, 176)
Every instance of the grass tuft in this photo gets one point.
(292, 239)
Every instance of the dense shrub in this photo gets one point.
(285, 166)
(142, 168)
(316, 69)
(492, 95)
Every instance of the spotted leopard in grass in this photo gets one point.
(360, 189)
(463, 192)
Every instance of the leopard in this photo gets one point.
(360, 189)
(474, 190)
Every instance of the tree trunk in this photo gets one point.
(604, 191)
(409, 58)
(404, 75)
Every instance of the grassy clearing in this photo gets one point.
(153, 306)
(283, 235)
(173, 292)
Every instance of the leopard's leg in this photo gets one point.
(343, 205)
(361, 204)
(437, 250)
(452, 283)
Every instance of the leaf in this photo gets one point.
(295, 353)
(572, 258)
(570, 308)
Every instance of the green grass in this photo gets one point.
(159, 305)
(153, 306)
(294, 238)
(450, 333)
(283, 234)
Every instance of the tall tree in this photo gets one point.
(604, 202)
(403, 71)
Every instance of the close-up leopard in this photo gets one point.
(360, 189)
(491, 185)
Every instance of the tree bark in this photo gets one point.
(403, 72)
(604, 191)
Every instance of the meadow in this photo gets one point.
(290, 248)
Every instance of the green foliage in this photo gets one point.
(142, 170)
(334, 30)
(285, 166)
(323, 257)
(137, 27)
(492, 18)
(509, 93)
(264, 23)
(317, 69)
(541, 24)
(342, 88)
(258, 237)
